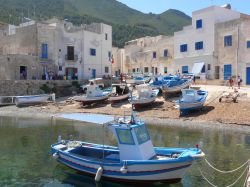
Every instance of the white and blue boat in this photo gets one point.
(33, 99)
(146, 95)
(159, 82)
(176, 85)
(94, 95)
(134, 160)
(191, 100)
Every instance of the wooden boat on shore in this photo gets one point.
(176, 85)
(120, 92)
(135, 159)
(192, 100)
(94, 95)
(33, 99)
(146, 95)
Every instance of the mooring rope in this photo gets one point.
(227, 185)
(246, 178)
(221, 171)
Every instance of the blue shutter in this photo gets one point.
(184, 69)
(199, 24)
(228, 41)
(44, 51)
(165, 53)
(227, 71)
(248, 44)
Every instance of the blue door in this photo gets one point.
(227, 71)
(93, 73)
(248, 75)
(184, 69)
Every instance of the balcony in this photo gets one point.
(71, 58)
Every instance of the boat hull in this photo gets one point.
(176, 89)
(31, 100)
(139, 103)
(116, 99)
(90, 101)
(155, 170)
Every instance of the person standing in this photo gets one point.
(239, 81)
(231, 82)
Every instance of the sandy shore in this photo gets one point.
(161, 112)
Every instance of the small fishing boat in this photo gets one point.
(176, 85)
(120, 92)
(140, 80)
(192, 99)
(94, 95)
(134, 160)
(33, 99)
(145, 96)
(160, 81)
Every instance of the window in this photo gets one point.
(125, 136)
(60, 68)
(137, 69)
(142, 134)
(70, 53)
(92, 52)
(228, 41)
(110, 56)
(44, 51)
(198, 45)
(106, 36)
(154, 54)
(145, 69)
(199, 24)
(248, 44)
(183, 48)
(209, 67)
(165, 53)
(184, 69)
(165, 70)
(133, 70)
(106, 69)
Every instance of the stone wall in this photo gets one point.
(34, 87)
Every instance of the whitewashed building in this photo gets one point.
(195, 45)
(50, 48)
(149, 55)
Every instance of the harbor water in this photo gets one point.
(25, 158)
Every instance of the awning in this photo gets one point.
(91, 118)
(197, 68)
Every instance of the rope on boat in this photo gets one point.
(213, 99)
(227, 185)
(221, 171)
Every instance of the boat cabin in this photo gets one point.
(93, 91)
(192, 95)
(133, 140)
(120, 89)
(144, 91)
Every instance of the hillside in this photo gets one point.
(127, 23)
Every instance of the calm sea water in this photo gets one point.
(25, 158)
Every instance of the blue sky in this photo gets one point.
(186, 6)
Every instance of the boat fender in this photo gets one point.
(98, 174)
(124, 169)
(56, 155)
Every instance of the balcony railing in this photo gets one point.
(71, 58)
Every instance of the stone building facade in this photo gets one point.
(54, 48)
(149, 55)
(233, 48)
